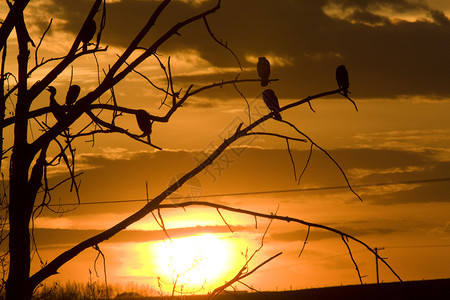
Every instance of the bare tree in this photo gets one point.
(30, 156)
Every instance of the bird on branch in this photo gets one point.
(72, 94)
(342, 79)
(144, 122)
(263, 68)
(271, 101)
(87, 33)
(57, 110)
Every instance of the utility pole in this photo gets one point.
(376, 262)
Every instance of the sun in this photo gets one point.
(195, 261)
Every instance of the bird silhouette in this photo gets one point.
(87, 33)
(57, 110)
(72, 94)
(263, 68)
(342, 79)
(271, 101)
(144, 123)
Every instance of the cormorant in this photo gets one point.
(342, 79)
(271, 101)
(263, 68)
(87, 33)
(144, 123)
(72, 94)
(57, 110)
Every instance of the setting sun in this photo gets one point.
(194, 262)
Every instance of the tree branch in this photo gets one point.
(281, 218)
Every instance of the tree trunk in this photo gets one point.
(21, 199)
(20, 208)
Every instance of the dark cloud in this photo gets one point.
(386, 60)
(398, 5)
(439, 17)
(366, 17)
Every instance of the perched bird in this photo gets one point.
(342, 79)
(271, 101)
(57, 110)
(72, 94)
(144, 123)
(87, 33)
(263, 68)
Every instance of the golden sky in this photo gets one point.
(397, 55)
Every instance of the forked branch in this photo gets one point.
(345, 236)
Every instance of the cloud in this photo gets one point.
(384, 176)
(391, 48)
(319, 234)
(413, 140)
(439, 17)
(51, 237)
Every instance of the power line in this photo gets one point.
(419, 246)
(433, 180)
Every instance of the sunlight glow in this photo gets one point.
(193, 263)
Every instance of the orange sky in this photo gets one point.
(397, 56)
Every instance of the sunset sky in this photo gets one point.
(395, 149)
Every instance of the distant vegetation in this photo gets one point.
(94, 290)
(409, 290)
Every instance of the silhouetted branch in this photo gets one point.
(9, 22)
(174, 94)
(113, 128)
(160, 223)
(45, 110)
(100, 253)
(220, 42)
(40, 42)
(226, 223)
(244, 271)
(327, 154)
(246, 101)
(292, 159)
(310, 107)
(351, 100)
(165, 91)
(241, 276)
(134, 44)
(39, 86)
(305, 241)
(281, 218)
(276, 135)
(345, 240)
(306, 164)
(102, 26)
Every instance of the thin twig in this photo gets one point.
(310, 107)
(220, 42)
(305, 241)
(40, 41)
(350, 99)
(306, 164)
(276, 135)
(344, 239)
(226, 223)
(292, 159)
(246, 101)
(96, 247)
(327, 154)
